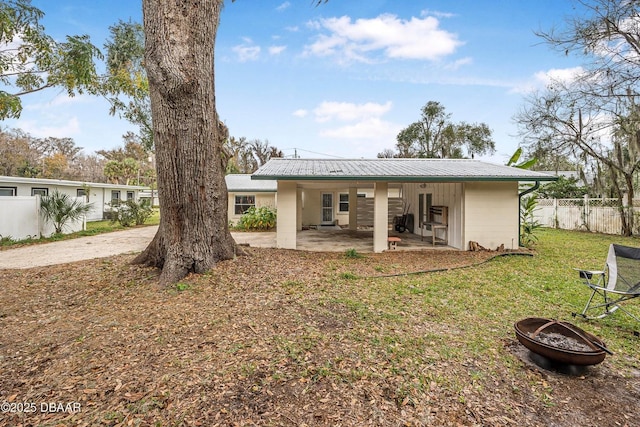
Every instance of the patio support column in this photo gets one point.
(380, 216)
(287, 219)
(353, 208)
(299, 210)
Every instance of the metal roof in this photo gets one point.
(407, 170)
(65, 183)
(243, 182)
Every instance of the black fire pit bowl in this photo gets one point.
(560, 342)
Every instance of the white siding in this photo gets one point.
(443, 194)
(491, 214)
(262, 199)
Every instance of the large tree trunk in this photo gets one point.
(193, 234)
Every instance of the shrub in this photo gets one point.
(263, 218)
(61, 209)
(528, 224)
(131, 212)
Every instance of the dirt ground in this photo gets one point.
(97, 343)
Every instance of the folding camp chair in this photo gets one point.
(617, 283)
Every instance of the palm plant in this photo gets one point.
(60, 209)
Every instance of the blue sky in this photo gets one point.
(337, 80)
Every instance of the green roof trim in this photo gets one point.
(394, 170)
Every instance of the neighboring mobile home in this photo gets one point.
(462, 200)
(19, 208)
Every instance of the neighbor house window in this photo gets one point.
(344, 203)
(8, 191)
(130, 195)
(243, 203)
(115, 197)
(39, 191)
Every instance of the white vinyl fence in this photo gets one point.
(598, 215)
(20, 219)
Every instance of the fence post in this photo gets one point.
(585, 212)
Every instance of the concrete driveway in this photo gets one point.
(102, 245)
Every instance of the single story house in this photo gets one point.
(459, 200)
(244, 193)
(19, 206)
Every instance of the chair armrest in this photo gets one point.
(588, 274)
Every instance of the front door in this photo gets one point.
(327, 208)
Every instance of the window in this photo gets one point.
(8, 191)
(115, 197)
(344, 203)
(130, 195)
(243, 203)
(39, 191)
(80, 192)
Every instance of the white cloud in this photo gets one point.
(358, 40)
(437, 13)
(301, 113)
(359, 123)
(62, 130)
(542, 79)
(283, 6)
(459, 63)
(60, 100)
(369, 128)
(247, 51)
(276, 50)
(345, 111)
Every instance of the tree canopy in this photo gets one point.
(593, 119)
(436, 136)
(31, 60)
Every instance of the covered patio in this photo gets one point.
(466, 201)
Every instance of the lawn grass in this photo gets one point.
(299, 333)
(481, 304)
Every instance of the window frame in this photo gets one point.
(343, 203)
(115, 200)
(35, 191)
(237, 206)
(14, 191)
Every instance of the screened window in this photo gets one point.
(344, 203)
(7, 191)
(115, 197)
(243, 203)
(129, 195)
(39, 191)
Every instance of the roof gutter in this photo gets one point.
(520, 195)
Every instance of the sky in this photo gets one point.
(338, 80)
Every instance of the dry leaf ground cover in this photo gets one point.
(292, 338)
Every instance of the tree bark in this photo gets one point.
(179, 55)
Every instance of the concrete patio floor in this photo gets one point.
(337, 240)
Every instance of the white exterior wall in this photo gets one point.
(287, 215)
(100, 197)
(312, 205)
(491, 214)
(443, 194)
(20, 219)
(380, 216)
(262, 199)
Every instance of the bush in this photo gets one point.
(131, 212)
(61, 209)
(263, 218)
